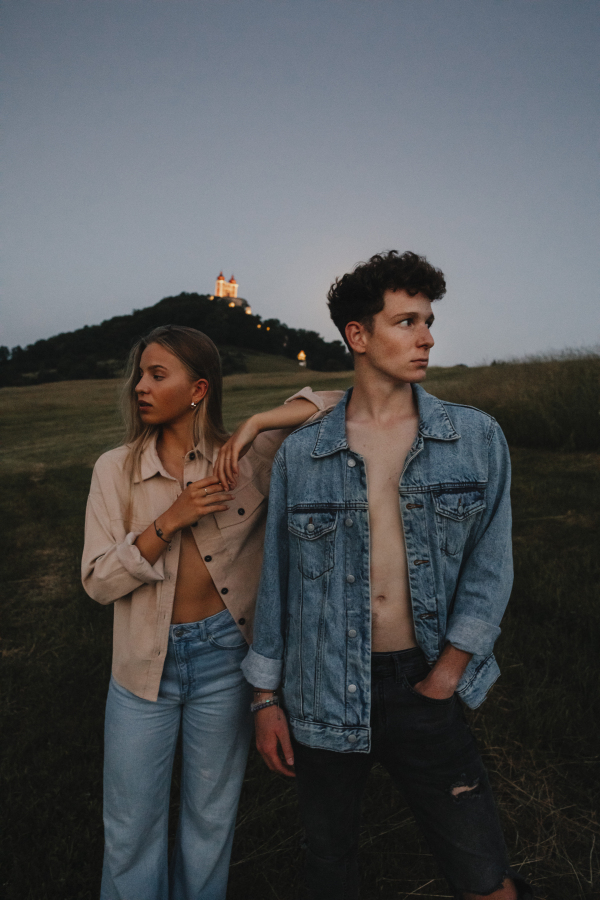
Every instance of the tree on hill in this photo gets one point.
(99, 351)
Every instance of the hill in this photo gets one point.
(99, 351)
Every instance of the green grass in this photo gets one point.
(538, 730)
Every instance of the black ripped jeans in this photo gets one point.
(429, 751)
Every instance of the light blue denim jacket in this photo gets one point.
(312, 631)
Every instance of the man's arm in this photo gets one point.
(484, 584)
(445, 675)
(263, 665)
(273, 740)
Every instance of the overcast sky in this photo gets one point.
(149, 144)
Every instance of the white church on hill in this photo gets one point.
(228, 290)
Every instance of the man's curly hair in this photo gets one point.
(358, 295)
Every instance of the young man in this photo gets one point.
(387, 570)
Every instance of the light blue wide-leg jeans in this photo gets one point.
(203, 691)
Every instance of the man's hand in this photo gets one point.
(273, 740)
(443, 679)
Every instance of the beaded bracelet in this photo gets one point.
(254, 707)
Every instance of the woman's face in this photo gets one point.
(165, 391)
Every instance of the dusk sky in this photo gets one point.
(148, 144)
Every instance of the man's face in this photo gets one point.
(398, 343)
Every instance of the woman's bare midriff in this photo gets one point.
(196, 596)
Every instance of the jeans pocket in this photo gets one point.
(231, 638)
(446, 701)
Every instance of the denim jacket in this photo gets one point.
(312, 630)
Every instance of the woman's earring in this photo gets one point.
(194, 405)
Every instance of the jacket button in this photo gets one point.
(350, 579)
(224, 590)
(310, 527)
(351, 463)
(192, 455)
(348, 523)
(241, 512)
(352, 738)
(351, 688)
(207, 558)
(241, 621)
(352, 632)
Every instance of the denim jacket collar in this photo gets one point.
(434, 422)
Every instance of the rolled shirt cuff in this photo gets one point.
(307, 393)
(139, 568)
(472, 635)
(261, 671)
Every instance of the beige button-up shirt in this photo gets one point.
(230, 543)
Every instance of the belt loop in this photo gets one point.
(398, 668)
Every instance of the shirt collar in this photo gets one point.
(434, 422)
(150, 464)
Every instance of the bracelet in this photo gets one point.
(255, 691)
(262, 704)
(159, 533)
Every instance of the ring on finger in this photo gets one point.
(206, 491)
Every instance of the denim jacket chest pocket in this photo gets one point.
(315, 541)
(456, 508)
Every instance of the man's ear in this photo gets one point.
(356, 335)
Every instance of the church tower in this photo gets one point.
(226, 288)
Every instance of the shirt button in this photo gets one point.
(241, 512)
(192, 455)
(241, 621)
(352, 632)
(348, 523)
(350, 579)
(224, 590)
(310, 527)
(351, 463)
(351, 688)
(207, 558)
(352, 738)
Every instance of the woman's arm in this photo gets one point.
(290, 415)
(199, 499)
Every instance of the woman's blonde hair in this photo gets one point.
(201, 359)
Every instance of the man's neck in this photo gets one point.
(380, 400)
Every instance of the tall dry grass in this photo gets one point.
(538, 730)
(545, 403)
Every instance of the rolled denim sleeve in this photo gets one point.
(486, 577)
(263, 665)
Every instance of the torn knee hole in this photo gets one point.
(457, 789)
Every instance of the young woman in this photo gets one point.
(174, 533)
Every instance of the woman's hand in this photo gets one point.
(198, 499)
(226, 467)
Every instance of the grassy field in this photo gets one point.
(538, 730)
